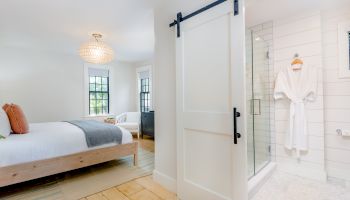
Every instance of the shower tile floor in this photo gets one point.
(283, 186)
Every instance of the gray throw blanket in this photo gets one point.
(98, 133)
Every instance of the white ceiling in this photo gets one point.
(127, 25)
(62, 25)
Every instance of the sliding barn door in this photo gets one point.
(210, 84)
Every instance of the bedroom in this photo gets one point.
(227, 123)
(44, 72)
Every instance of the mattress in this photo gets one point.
(47, 140)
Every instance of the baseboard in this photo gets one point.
(166, 181)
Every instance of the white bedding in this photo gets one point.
(47, 140)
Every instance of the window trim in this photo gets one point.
(87, 89)
(103, 92)
(344, 50)
(139, 70)
(144, 94)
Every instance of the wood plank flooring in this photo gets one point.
(139, 189)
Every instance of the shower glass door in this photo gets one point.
(258, 105)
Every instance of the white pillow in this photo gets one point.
(5, 127)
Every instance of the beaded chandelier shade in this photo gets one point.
(96, 52)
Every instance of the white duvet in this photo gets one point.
(47, 140)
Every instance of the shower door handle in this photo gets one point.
(253, 108)
(236, 135)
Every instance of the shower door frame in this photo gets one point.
(252, 110)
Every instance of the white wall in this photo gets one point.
(124, 92)
(300, 34)
(164, 101)
(336, 97)
(314, 36)
(49, 86)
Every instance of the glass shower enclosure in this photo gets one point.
(258, 105)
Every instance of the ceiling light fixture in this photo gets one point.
(96, 52)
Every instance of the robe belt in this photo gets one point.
(293, 105)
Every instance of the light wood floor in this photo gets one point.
(86, 181)
(140, 189)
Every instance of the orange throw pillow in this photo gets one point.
(17, 118)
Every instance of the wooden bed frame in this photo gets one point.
(32, 170)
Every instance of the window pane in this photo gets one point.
(105, 103)
(105, 80)
(99, 103)
(105, 96)
(92, 103)
(104, 88)
(99, 95)
(105, 110)
(92, 96)
(98, 87)
(92, 111)
(98, 80)
(92, 79)
(92, 87)
(99, 110)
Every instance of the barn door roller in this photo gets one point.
(180, 19)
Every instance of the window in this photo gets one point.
(98, 92)
(145, 95)
(344, 50)
(144, 80)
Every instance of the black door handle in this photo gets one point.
(236, 135)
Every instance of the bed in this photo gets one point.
(52, 148)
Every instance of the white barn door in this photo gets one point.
(210, 83)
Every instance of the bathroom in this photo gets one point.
(316, 37)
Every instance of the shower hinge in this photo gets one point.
(267, 54)
(269, 148)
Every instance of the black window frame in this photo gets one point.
(145, 94)
(102, 93)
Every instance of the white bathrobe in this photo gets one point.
(300, 87)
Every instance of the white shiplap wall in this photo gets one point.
(300, 34)
(336, 97)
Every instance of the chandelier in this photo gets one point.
(96, 51)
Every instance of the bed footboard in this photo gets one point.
(32, 170)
